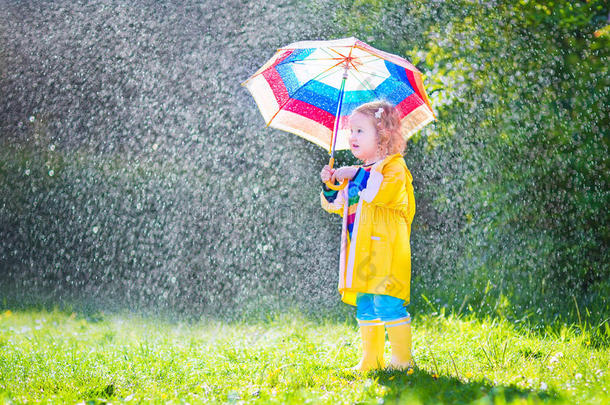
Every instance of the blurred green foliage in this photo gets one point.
(512, 180)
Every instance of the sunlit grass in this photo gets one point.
(62, 357)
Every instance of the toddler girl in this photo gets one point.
(377, 208)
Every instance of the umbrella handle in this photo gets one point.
(332, 186)
(336, 187)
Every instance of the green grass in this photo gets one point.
(57, 357)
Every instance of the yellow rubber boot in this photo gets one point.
(399, 335)
(373, 342)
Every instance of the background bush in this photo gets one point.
(135, 171)
(514, 174)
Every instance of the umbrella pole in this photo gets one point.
(331, 162)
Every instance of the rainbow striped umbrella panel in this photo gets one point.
(301, 88)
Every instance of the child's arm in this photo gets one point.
(390, 188)
(344, 173)
(333, 200)
(411, 198)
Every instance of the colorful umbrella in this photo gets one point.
(310, 88)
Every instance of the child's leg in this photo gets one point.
(398, 324)
(399, 334)
(372, 332)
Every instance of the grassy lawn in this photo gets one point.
(65, 357)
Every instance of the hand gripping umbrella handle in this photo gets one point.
(332, 186)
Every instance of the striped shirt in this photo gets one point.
(354, 186)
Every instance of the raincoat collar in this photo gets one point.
(379, 165)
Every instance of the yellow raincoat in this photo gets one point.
(378, 258)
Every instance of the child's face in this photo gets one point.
(363, 138)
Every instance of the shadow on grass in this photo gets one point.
(424, 387)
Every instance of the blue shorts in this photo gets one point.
(380, 308)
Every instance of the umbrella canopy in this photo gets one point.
(310, 88)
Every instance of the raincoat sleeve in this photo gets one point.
(410, 198)
(392, 188)
(332, 201)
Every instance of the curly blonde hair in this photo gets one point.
(387, 122)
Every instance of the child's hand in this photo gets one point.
(326, 173)
(344, 173)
